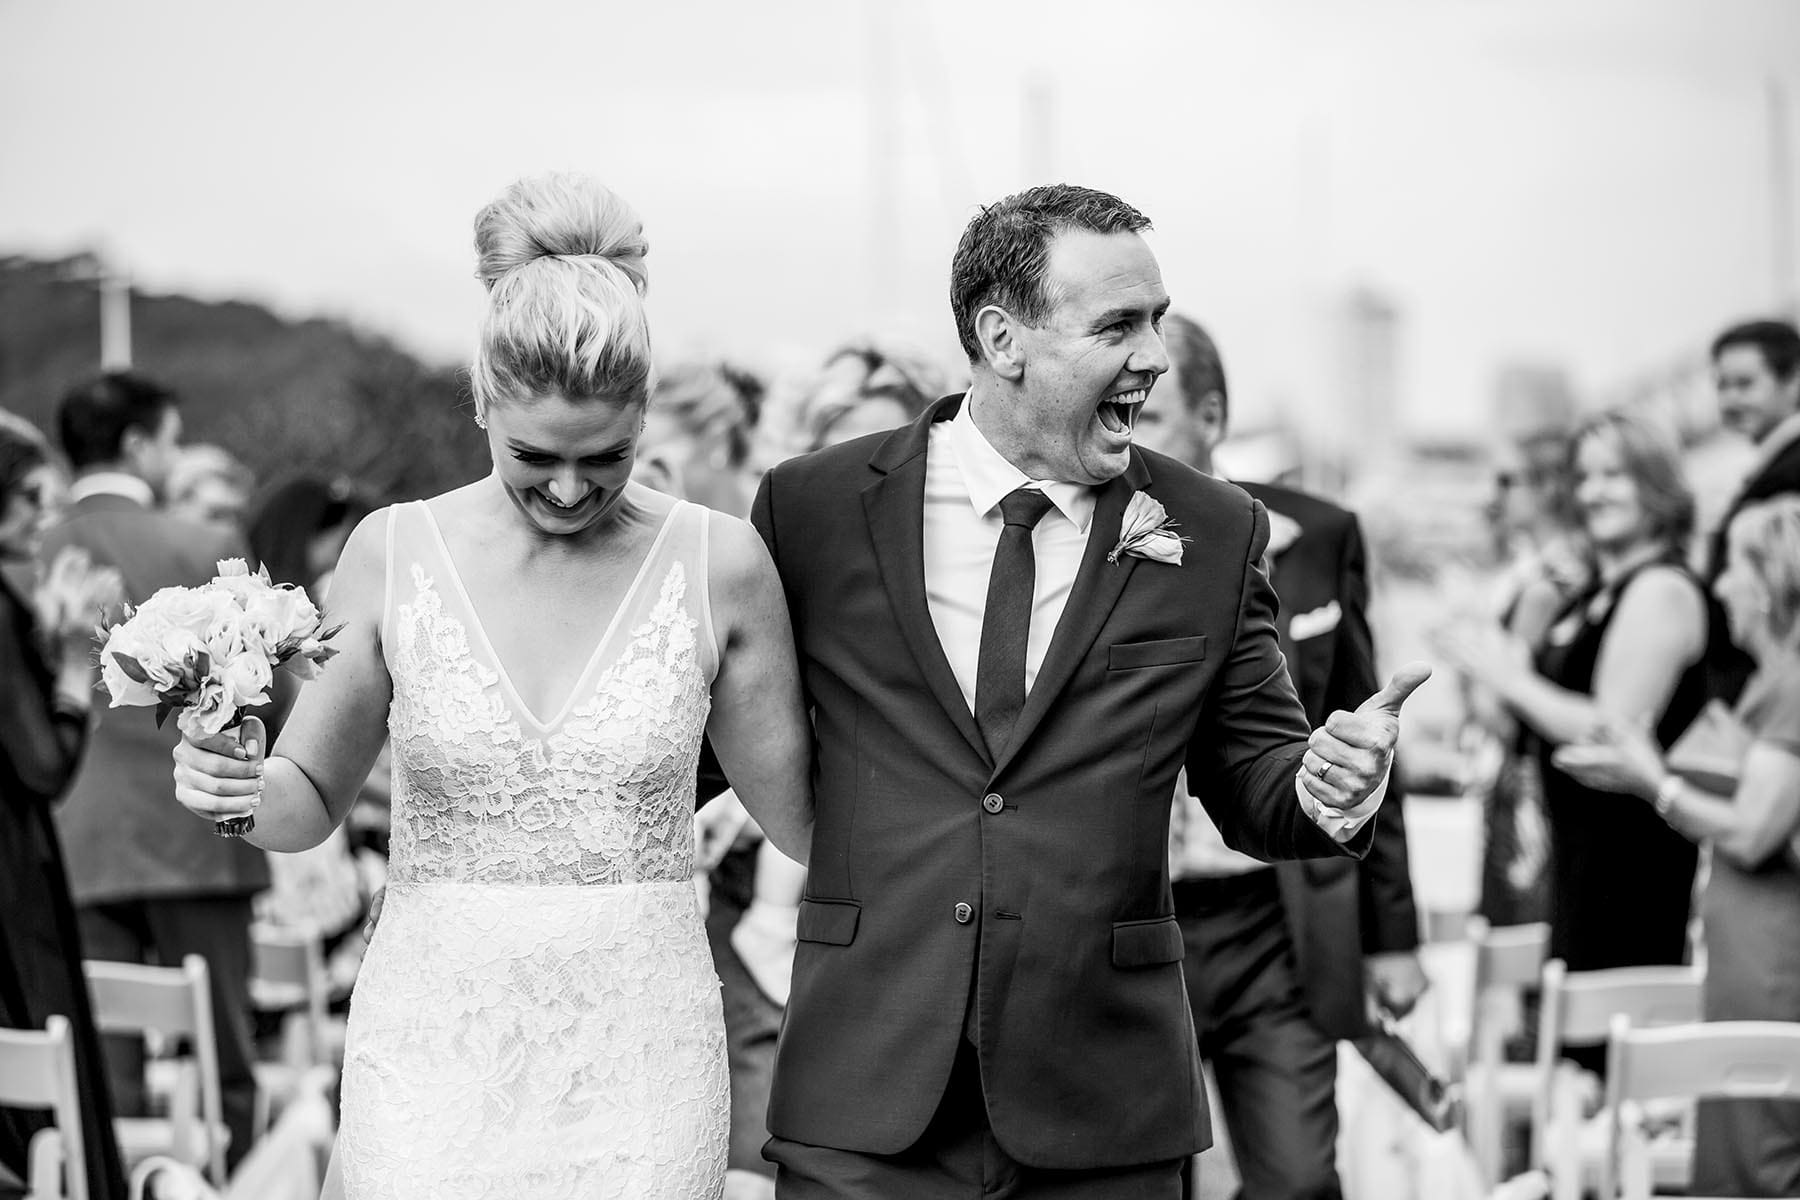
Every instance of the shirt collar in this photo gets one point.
(112, 483)
(989, 477)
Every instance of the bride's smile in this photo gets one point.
(564, 463)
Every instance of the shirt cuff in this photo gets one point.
(1340, 826)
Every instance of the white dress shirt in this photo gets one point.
(112, 483)
(965, 480)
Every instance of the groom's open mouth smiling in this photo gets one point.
(1119, 412)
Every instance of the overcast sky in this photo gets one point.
(1575, 181)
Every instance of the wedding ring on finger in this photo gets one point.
(1324, 769)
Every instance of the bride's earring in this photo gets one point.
(480, 419)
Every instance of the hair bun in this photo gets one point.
(562, 258)
(566, 217)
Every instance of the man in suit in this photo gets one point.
(1756, 370)
(1006, 674)
(148, 885)
(1280, 959)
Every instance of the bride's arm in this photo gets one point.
(758, 727)
(330, 741)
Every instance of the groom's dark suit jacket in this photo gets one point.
(1051, 916)
(1337, 910)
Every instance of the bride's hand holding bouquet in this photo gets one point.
(207, 654)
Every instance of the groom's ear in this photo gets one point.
(997, 337)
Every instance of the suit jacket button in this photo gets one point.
(964, 914)
(992, 802)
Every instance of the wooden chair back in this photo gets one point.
(171, 1002)
(1722, 1059)
(37, 1070)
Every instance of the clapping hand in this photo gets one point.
(1481, 650)
(1348, 757)
(1616, 757)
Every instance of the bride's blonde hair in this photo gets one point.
(562, 258)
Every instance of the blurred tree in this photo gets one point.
(286, 396)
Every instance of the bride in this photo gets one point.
(538, 1014)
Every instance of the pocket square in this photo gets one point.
(1312, 624)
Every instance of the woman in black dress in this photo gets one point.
(44, 699)
(1629, 648)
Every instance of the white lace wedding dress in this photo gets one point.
(538, 1014)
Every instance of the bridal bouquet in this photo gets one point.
(210, 652)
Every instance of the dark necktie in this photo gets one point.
(1006, 623)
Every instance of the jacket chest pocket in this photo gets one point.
(1167, 652)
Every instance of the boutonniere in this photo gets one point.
(1148, 532)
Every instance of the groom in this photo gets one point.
(987, 994)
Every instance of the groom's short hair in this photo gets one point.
(1005, 250)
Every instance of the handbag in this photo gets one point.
(1438, 1104)
(1710, 752)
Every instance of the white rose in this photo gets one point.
(286, 613)
(122, 687)
(210, 711)
(246, 679)
(194, 609)
(176, 653)
(228, 635)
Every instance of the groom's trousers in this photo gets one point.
(957, 1158)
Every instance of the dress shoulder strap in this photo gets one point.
(686, 543)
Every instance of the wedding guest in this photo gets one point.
(1542, 565)
(1628, 647)
(49, 479)
(1756, 369)
(697, 435)
(148, 885)
(298, 527)
(209, 486)
(44, 710)
(1283, 960)
(1752, 902)
(865, 387)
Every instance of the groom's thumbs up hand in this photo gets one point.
(1349, 756)
(1405, 682)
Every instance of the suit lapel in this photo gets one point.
(1098, 586)
(895, 508)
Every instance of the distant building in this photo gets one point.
(1368, 334)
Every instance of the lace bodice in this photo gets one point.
(604, 793)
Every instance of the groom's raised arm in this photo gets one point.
(1252, 734)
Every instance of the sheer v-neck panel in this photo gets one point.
(584, 680)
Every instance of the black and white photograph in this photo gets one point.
(865, 600)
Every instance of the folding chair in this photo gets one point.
(1725, 1059)
(1577, 1009)
(170, 1002)
(37, 1070)
(287, 975)
(1508, 960)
